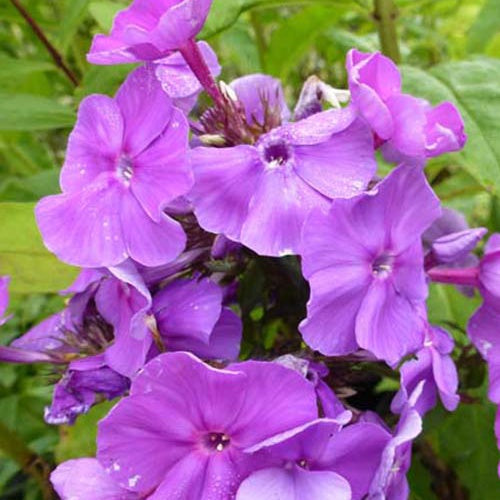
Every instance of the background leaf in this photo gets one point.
(23, 256)
(29, 112)
(473, 87)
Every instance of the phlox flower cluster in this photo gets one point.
(165, 203)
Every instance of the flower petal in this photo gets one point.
(84, 228)
(149, 243)
(388, 324)
(341, 166)
(95, 143)
(146, 110)
(277, 213)
(225, 181)
(162, 172)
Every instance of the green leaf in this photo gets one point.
(23, 256)
(104, 12)
(73, 16)
(465, 441)
(473, 87)
(12, 70)
(30, 112)
(485, 27)
(295, 35)
(30, 188)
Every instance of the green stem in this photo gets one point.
(259, 37)
(385, 15)
(14, 447)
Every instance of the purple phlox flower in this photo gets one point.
(79, 390)
(190, 316)
(331, 406)
(102, 336)
(150, 30)
(434, 365)
(314, 93)
(183, 430)
(390, 480)
(407, 126)
(260, 194)
(223, 247)
(319, 459)
(178, 80)
(126, 161)
(85, 479)
(364, 262)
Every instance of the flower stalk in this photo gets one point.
(385, 15)
(198, 65)
(15, 448)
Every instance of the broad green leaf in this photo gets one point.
(473, 87)
(30, 112)
(465, 441)
(104, 79)
(447, 306)
(297, 34)
(12, 70)
(485, 27)
(104, 12)
(23, 256)
(30, 188)
(73, 15)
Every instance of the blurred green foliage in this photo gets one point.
(450, 50)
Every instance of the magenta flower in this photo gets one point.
(408, 127)
(150, 30)
(126, 160)
(260, 194)
(364, 262)
(390, 480)
(318, 460)
(190, 317)
(329, 404)
(78, 391)
(185, 427)
(434, 365)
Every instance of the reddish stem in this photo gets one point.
(56, 56)
(196, 62)
(468, 276)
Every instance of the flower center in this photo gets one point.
(217, 441)
(303, 463)
(124, 169)
(382, 266)
(277, 153)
